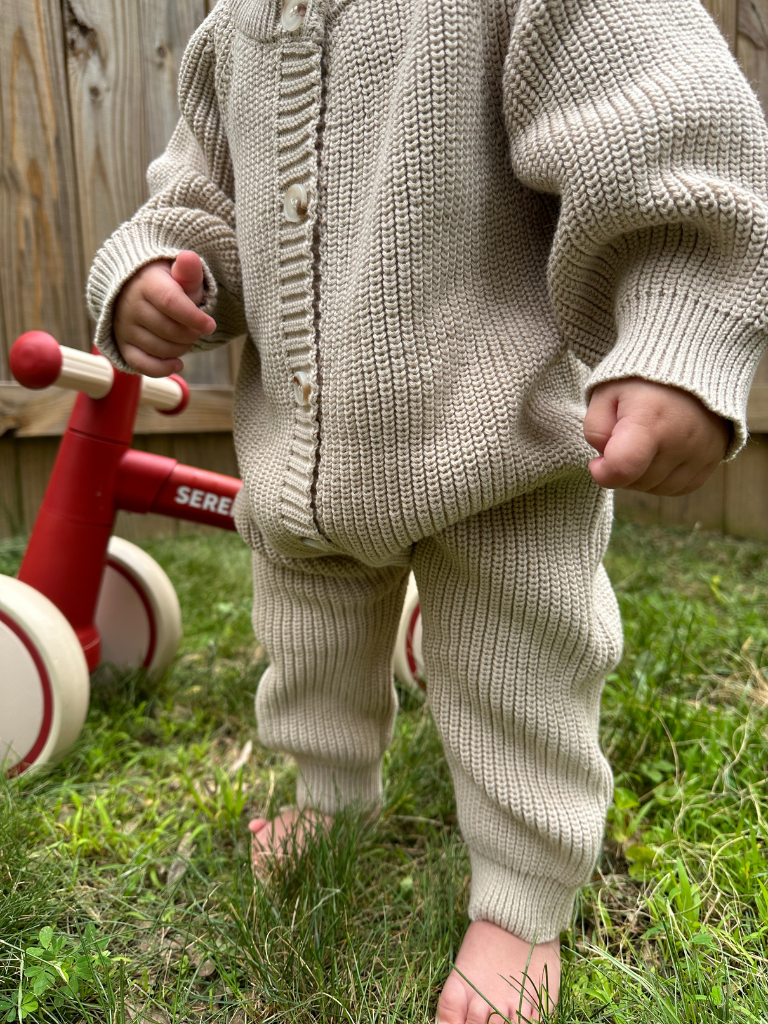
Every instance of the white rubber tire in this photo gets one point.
(408, 659)
(137, 612)
(44, 685)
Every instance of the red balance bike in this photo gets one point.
(83, 596)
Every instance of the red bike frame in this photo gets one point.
(97, 473)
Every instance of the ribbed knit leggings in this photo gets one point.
(520, 626)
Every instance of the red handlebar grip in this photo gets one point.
(36, 360)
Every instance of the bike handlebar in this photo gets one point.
(38, 361)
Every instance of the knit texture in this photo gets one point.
(328, 697)
(498, 195)
(520, 627)
(489, 186)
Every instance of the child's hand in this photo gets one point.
(653, 437)
(157, 319)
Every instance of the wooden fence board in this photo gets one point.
(210, 369)
(12, 520)
(752, 45)
(166, 26)
(36, 459)
(41, 275)
(705, 507)
(757, 409)
(640, 508)
(761, 377)
(108, 113)
(746, 501)
(725, 14)
(45, 413)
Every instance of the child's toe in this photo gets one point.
(453, 1004)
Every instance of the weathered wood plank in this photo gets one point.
(640, 508)
(36, 458)
(123, 65)
(705, 507)
(45, 413)
(108, 113)
(41, 272)
(757, 409)
(208, 369)
(761, 377)
(752, 45)
(725, 14)
(11, 504)
(234, 351)
(166, 26)
(209, 411)
(746, 493)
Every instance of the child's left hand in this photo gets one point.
(652, 437)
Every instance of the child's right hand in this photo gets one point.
(157, 318)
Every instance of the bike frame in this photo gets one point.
(95, 475)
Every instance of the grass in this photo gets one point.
(125, 889)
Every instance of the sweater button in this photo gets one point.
(302, 389)
(293, 15)
(295, 203)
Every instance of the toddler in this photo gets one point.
(443, 224)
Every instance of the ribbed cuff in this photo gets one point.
(130, 248)
(532, 907)
(687, 344)
(329, 789)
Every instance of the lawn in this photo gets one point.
(125, 888)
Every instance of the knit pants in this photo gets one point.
(520, 626)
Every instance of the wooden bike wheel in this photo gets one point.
(44, 685)
(408, 660)
(137, 613)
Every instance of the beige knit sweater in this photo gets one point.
(421, 211)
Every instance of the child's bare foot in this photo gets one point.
(282, 837)
(495, 962)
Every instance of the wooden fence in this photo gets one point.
(87, 99)
(735, 499)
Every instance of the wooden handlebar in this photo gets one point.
(38, 361)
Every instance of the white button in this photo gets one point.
(295, 203)
(315, 542)
(302, 389)
(293, 15)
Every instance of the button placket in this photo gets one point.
(299, 97)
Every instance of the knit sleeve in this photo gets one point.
(191, 206)
(635, 113)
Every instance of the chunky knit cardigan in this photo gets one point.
(427, 214)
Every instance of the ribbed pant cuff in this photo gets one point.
(329, 789)
(534, 908)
